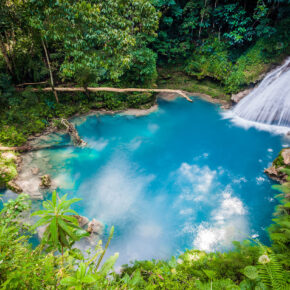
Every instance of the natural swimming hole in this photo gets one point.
(181, 177)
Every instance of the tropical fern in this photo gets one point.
(271, 272)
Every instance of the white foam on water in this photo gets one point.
(269, 102)
(247, 124)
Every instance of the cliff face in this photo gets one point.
(275, 172)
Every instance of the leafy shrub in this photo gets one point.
(8, 169)
(10, 136)
(210, 60)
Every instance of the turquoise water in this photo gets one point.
(181, 177)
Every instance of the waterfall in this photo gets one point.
(269, 103)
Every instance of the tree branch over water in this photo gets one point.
(116, 90)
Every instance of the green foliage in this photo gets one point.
(62, 229)
(247, 266)
(280, 230)
(279, 161)
(210, 60)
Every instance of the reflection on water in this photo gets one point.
(181, 177)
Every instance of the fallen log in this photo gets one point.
(116, 90)
(31, 84)
(72, 131)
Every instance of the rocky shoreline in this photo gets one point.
(277, 170)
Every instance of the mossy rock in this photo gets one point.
(279, 161)
(8, 169)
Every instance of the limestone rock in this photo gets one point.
(286, 156)
(9, 156)
(45, 181)
(275, 174)
(82, 220)
(12, 185)
(34, 170)
(40, 231)
(237, 97)
(95, 227)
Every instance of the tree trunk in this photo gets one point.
(201, 21)
(5, 55)
(50, 71)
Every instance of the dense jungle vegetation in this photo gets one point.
(214, 47)
(217, 47)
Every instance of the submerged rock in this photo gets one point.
(45, 181)
(34, 170)
(95, 227)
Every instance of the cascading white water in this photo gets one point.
(269, 103)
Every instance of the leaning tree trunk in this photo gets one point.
(50, 71)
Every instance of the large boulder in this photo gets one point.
(82, 220)
(276, 174)
(286, 156)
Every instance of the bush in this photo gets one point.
(210, 60)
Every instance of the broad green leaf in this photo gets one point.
(68, 281)
(251, 272)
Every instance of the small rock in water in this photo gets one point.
(45, 181)
(12, 185)
(95, 226)
(34, 170)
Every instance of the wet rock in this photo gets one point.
(12, 185)
(226, 106)
(34, 170)
(45, 181)
(276, 174)
(82, 220)
(95, 227)
(237, 97)
(286, 156)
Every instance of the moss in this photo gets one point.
(8, 170)
(279, 161)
